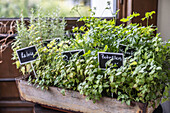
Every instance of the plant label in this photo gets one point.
(46, 42)
(27, 54)
(129, 52)
(103, 57)
(68, 54)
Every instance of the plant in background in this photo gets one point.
(40, 28)
(13, 8)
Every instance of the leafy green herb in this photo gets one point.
(143, 77)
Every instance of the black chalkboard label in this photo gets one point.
(68, 54)
(46, 42)
(27, 54)
(103, 57)
(129, 52)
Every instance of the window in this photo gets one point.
(104, 8)
(68, 8)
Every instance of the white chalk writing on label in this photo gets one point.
(111, 57)
(27, 54)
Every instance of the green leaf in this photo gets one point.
(56, 82)
(152, 72)
(128, 102)
(118, 73)
(81, 72)
(105, 85)
(17, 64)
(37, 62)
(105, 48)
(100, 88)
(63, 92)
(112, 84)
(134, 63)
(158, 68)
(137, 69)
(135, 85)
(111, 78)
(42, 88)
(124, 74)
(124, 20)
(87, 98)
(156, 49)
(28, 67)
(78, 68)
(164, 100)
(122, 79)
(143, 19)
(23, 70)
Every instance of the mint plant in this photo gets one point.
(144, 76)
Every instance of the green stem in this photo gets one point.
(147, 21)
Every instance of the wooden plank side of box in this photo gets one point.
(72, 100)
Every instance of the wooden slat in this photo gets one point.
(15, 104)
(8, 91)
(16, 107)
(7, 68)
(70, 22)
(16, 110)
(39, 109)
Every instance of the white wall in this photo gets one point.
(164, 28)
(164, 18)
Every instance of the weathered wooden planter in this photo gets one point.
(73, 101)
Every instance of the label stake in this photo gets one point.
(111, 92)
(33, 69)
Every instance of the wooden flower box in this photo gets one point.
(74, 102)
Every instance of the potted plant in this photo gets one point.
(139, 81)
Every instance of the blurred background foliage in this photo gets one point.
(13, 8)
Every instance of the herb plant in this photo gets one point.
(41, 27)
(144, 75)
(142, 78)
